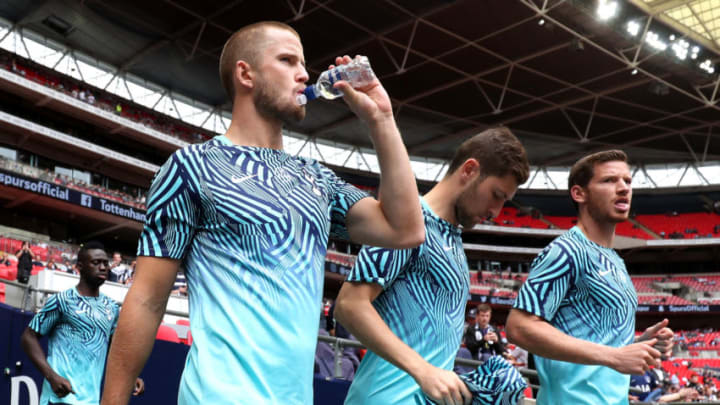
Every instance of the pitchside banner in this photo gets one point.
(678, 308)
(76, 197)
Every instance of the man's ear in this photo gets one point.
(578, 194)
(469, 170)
(243, 75)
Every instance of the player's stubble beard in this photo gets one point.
(600, 215)
(268, 103)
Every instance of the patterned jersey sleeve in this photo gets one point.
(172, 210)
(116, 314)
(49, 315)
(343, 197)
(380, 265)
(550, 278)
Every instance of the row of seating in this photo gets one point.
(684, 368)
(662, 300)
(686, 225)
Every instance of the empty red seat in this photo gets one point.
(167, 333)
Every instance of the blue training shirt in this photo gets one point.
(78, 330)
(582, 289)
(423, 302)
(251, 227)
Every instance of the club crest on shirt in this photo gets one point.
(608, 269)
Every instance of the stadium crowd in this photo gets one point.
(101, 98)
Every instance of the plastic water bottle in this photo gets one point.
(358, 73)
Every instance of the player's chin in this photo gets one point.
(300, 114)
(619, 216)
(98, 281)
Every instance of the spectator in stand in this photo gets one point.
(51, 265)
(68, 267)
(675, 394)
(119, 271)
(710, 391)
(648, 384)
(4, 260)
(694, 382)
(25, 258)
(79, 323)
(516, 355)
(131, 276)
(482, 338)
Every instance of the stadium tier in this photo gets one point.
(99, 98)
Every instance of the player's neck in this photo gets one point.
(441, 200)
(602, 233)
(86, 290)
(249, 128)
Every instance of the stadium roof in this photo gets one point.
(699, 19)
(569, 77)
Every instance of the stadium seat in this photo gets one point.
(167, 333)
(184, 322)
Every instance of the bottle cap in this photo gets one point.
(301, 99)
(310, 92)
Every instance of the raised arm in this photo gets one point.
(354, 310)
(537, 336)
(395, 219)
(30, 341)
(139, 319)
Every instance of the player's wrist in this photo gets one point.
(383, 126)
(606, 356)
(418, 369)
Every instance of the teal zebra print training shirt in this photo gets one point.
(425, 290)
(251, 228)
(78, 330)
(584, 290)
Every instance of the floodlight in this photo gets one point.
(633, 28)
(654, 41)
(707, 66)
(607, 9)
(680, 48)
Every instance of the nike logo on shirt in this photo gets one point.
(238, 180)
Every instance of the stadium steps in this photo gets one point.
(644, 228)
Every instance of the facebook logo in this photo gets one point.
(85, 200)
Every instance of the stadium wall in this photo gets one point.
(161, 373)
